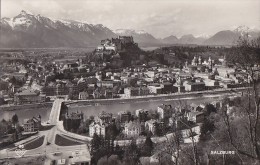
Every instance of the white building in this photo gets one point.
(99, 129)
(151, 74)
(211, 83)
(155, 88)
(196, 117)
(150, 125)
(138, 111)
(133, 129)
(186, 133)
(165, 111)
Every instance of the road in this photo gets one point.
(49, 148)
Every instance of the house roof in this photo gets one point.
(167, 83)
(131, 125)
(141, 110)
(105, 114)
(34, 119)
(193, 105)
(196, 83)
(98, 124)
(196, 113)
(84, 94)
(74, 115)
(26, 93)
(152, 121)
(164, 106)
(123, 112)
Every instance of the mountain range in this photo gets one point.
(27, 30)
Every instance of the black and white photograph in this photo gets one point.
(129, 82)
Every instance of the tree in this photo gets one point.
(15, 136)
(245, 56)
(112, 132)
(172, 147)
(147, 147)
(169, 148)
(111, 160)
(100, 147)
(71, 94)
(209, 108)
(15, 119)
(158, 130)
(207, 126)
(12, 80)
(48, 99)
(3, 127)
(2, 100)
(132, 154)
(119, 152)
(96, 144)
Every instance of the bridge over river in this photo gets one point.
(49, 148)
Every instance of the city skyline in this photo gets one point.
(161, 19)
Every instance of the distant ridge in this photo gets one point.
(27, 30)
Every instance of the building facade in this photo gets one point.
(165, 111)
(97, 128)
(133, 129)
(32, 125)
(28, 97)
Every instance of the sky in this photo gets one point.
(161, 18)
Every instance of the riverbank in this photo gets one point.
(150, 98)
(25, 106)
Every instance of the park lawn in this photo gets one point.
(34, 144)
(61, 141)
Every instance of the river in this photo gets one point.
(112, 108)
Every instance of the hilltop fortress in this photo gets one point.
(111, 50)
(116, 44)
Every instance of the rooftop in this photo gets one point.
(131, 125)
(195, 113)
(26, 93)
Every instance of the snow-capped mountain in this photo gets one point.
(244, 29)
(230, 37)
(123, 31)
(29, 30)
(23, 20)
(205, 36)
(129, 31)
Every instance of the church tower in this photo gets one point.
(210, 63)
